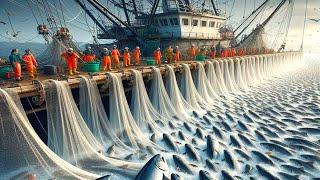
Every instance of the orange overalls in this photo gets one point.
(177, 56)
(223, 53)
(31, 64)
(106, 62)
(157, 56)
(213, 54)
(88, 57)
(136, 55)
(126, 58)
(71, 60)
(192, 53)
(115, 54)
(233, 52)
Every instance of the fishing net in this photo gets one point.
(95, 116)
(159, 96)
(177, 99)
(203, 85)
(238, 73)
(189, 90)
(213, 79)
(69, 136)
(121, 118)
(227, 78)
(141, 107)
(52, 55)
(23, 154)
(255, 39)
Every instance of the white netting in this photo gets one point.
(203, 85)
(121, 117)
(189, 90)
(159, 96)
(141, 107)
(51, 56)
(95, 116)
(177, 99)
(23, 153)
(69, 136)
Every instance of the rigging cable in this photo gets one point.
(35, 17)
(304, 25)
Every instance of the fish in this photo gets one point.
(211, 165)
(269, 132)
(230, 159)
(171, 125)
(305, 148)
(181, 135)
(226, 175)
(182, 164)
(156, 168)
(218, 133)
(291, 121)
(199, 133)
(187, 126)
(242, 154)
(153, 138)
(289, 176)
(229, 117)
(195, 114)
(243, 126)
(305, 164)
(207, 120)
(192, 153)
(260, 136)
(212, 147)
(262, 157)
(309, 130)
(235, 142)
(245, 140)
(255, 115)
(277, 148)
(276, 158)
(265, 173)
(226, 126)
(296, 140)
(248, 118)
(310, 157)
(247, 169)
(293, 169)
(170, 142)
(176, 177)
(205, 175)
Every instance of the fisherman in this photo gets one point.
(88, 55)
(126, 57)
(201, 56)
(30, 62)
(106, 60)
(157, 56)
(71, 59)
(16, 60)
(223, 53)
(136, 55)
(192, 52)
(177, 54)
(115, 54)
(213, 52)
(169, 54)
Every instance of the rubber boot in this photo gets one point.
(70, 72)
(75, 71)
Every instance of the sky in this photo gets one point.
(24, 22)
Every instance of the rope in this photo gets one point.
(304, 25)
(32, 12)
(62, 14)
